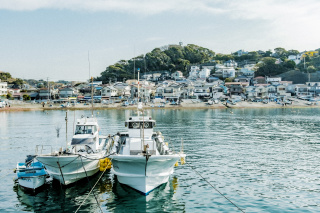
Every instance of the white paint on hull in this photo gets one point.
(142, 175)
(73, 167)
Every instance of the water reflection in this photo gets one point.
(112, 197)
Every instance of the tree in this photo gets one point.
(26, 97)
(311, 69)
(269, 68)
(18, 83)
(4, 76)
(281, 52)
(293, 52)
(290, 64)
(9, 96)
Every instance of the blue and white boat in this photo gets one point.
(31, 175)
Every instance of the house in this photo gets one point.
(204, 73)
(109, 92)
(295, 58)
(172, 91)
(272, 91)
(242, 79)
(259, 80)
(225, 72)
(203, 90)
(123, 89)
(230, 63)
(282, 91)
(16, 94)
(273, 80)
(44, 94)
(3, 88)
(262, 90)
(68, 92)
(247, 70)
(250, 92)
(301, 90)
(241, 52)
(313, 88)
(236, 88)
(177, 75)
(219, 92)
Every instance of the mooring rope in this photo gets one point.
(90, 184)
(215, 188)
(93, 187)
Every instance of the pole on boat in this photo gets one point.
(92, 96)
(66, 129)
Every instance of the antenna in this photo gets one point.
(134, 63)
(89, 64)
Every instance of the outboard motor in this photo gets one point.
(29, 159)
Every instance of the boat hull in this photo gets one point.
(32, 183)
(142, 173)
(70, 168)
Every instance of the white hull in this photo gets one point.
(142, 174)
(33, 182)
(72, 167)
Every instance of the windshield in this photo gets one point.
(85, 129)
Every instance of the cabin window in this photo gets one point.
(139, 124)
(85, 129)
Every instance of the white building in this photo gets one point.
(273, 80)
(204, 73)
(225, 72)
(177, 75)
(230, 63)
(194, 71)
(68, 92)
(3, 88)
(295, 58)
(109, 92)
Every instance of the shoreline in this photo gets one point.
(98, 106)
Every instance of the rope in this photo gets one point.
(90, 184)
(58, 160)
(215, 188)
(5, 175)
(92, 188)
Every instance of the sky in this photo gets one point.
(76, 39)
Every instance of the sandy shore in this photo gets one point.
(187, 104)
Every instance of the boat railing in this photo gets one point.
(40, 148)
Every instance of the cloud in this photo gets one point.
(145, 7)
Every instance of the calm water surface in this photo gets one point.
(264, 160)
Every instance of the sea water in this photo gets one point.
(262, 160)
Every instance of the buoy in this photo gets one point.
(176, 164)
(182, 160)
(105, 164)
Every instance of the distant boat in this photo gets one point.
(31, 175)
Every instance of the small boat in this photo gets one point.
(31, 175)
(82, 159)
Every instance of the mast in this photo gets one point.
(66, 129)
(92, 96)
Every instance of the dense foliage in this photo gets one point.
(169, 58)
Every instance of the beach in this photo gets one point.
(185, 104)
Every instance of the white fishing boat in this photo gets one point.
(31, 175)
(143, 159)
(87, 147)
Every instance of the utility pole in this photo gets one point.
(48, 88)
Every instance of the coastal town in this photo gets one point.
(215, 85)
